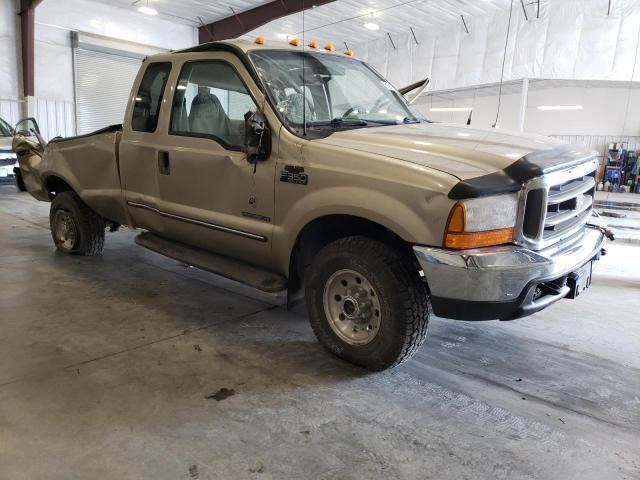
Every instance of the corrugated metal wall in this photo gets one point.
(55, 117)
(10, 109)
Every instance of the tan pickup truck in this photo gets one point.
(303, 170)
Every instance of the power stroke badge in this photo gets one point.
(294, 174)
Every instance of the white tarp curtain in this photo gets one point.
(572, 39)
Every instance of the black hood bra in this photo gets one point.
(511, 178)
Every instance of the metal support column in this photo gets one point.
(524, 95)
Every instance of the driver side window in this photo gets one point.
(210, 101)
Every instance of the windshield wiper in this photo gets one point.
(339, 122)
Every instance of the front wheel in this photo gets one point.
(75, 228)
(367, 303)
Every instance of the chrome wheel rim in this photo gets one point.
(352, 307)
(64, 229)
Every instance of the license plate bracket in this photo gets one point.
(579, 280)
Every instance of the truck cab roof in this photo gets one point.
(247, 46)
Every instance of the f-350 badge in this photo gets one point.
(294, 174)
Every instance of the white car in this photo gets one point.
(9, 168)
(8, 159)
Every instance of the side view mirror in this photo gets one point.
(257, 137)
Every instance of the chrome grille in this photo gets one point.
(556, 206)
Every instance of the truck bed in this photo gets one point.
(89, 164)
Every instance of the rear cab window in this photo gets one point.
(148, 99)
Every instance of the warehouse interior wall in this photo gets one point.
(53, 103)
(608, 115)
(10, 58)
(605, 111)
(572, 39)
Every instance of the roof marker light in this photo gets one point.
(259, 41)
(349, 53)
(314, 44)
(295, 42)
(330, 47)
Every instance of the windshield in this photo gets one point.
(339, 92)
(5, 129)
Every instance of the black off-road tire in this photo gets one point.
(88, 226)
(403, 301)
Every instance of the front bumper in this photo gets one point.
(503, 282)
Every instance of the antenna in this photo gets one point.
(304, 81)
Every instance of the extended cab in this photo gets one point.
(304, 170)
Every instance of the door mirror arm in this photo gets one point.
(257, 141)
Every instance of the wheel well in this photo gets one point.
(55, 185)
(324, 230)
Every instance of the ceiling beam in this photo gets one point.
(239, 23)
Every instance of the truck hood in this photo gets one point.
(461, 151)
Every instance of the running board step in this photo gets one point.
(227, 267)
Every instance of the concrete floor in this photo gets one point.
(621, 211)
(111, 368)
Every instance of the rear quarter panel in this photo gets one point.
(90, 166)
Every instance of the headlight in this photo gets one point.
(481, 222)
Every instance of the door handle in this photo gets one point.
(163, 163)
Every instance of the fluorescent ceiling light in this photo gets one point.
(148, 10)
(560, 107)
(371, 26)
(451, 109)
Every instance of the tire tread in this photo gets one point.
(91, 224)
(413, 292)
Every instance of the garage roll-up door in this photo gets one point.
(103, 84)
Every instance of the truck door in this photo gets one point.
(139, 152)
(210, 195)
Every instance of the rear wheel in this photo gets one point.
(367, 302)
(19, 180)
(75, 228)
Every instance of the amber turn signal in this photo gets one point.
(460, 241)
(455, 237)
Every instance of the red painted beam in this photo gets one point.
(243, 22)
(27, 23)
